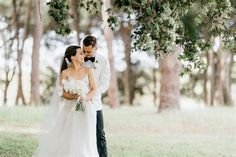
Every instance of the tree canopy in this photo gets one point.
(162, 25)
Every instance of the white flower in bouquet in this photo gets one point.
(75, 87)
(71, 87)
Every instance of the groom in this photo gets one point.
(101, 71)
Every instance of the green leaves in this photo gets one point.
(58, 10)
(190, 27)
(113, 22)
(121, 3)
(161, 25)
(91, 6)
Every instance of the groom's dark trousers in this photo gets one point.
(101, 139)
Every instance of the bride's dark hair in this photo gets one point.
(70, 51)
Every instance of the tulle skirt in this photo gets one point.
(72, 135)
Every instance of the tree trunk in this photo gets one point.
(155, 96)
(128, 78)
(5, 91)
(226, 80)
(8, 79)
(209, 85)
(218, 75)
(222, 77)
(35, 96)
(231, 64)
(113, 95)
(219, 100)
(75, 14)
(7, 83)
(170, 85)
(16, 16)
(205, 81)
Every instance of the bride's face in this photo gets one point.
(79, 57)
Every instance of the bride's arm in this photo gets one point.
(92, 85)
(65, 94)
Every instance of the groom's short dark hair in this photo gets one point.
(90, 40)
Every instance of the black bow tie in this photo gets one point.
(92, 59)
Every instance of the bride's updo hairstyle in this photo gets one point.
(70, 51)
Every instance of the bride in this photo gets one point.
(69, 131)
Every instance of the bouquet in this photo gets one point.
(75, 87)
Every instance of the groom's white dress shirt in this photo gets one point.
(101, 72)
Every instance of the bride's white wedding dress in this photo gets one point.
(73, 133)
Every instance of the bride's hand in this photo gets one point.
(88, 97)
(80, 97)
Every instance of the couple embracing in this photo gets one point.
(77, 128)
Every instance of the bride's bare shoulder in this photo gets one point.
(65, 73)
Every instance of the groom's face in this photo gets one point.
(89, 51)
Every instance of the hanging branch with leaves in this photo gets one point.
(59, 11)
(161, 25)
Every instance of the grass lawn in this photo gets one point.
(135, 132)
